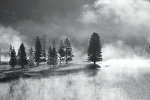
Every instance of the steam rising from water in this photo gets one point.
(120, 80)
(124, 30)
(124, 21)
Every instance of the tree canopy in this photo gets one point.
(22, 59)
(38, 50)
(94, 50)
(13, 57)
(61, 51)
(68, 51)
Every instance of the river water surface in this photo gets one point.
(118, 80)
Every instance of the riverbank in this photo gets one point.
(41, 71)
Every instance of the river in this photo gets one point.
(119, 80)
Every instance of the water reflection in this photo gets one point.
(97, 84)
(11, 90)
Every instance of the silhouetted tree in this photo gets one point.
(43, 56)
(31, 57)
(94, 50)
(49, 62)
(38, 50)
(22, 59)
(54, 56)
(13, 58)
(43, 47)
(68, 51)
(61, 51)
(10, 50)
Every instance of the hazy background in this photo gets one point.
(122, 25)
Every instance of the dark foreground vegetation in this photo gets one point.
(16, 73)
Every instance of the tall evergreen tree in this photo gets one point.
(61, 51)
(49, 62)
(54, 56)
(31, 57)
(13, 58)
(10, 50)
(44, 56)
(68, 51)
(43, 47)
(22, 59)
(38, 50)
(94, 50)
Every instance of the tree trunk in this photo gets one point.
(12, 66)
(22, 66)
(60, 60)
(94, 63)
(66, 59)
(94, 53)
(37, 63)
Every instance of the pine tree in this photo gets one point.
(43, 47)
(10, 50)
(31, 57)
(22, 59)
(38, 50)
(61, 51)
(54, 56)
(49, 62)
(94, 50)
(44, 56)
(13, 58)
(68, 51)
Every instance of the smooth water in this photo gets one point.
(120, 80)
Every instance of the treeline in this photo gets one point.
(53, 56)
(39, 54)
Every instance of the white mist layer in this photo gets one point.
(117, 80)
(9, 36)
(120, 50)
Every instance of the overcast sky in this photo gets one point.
(122, 25)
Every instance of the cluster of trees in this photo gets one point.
(20, 59)
(64, 53)
(38, 55)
